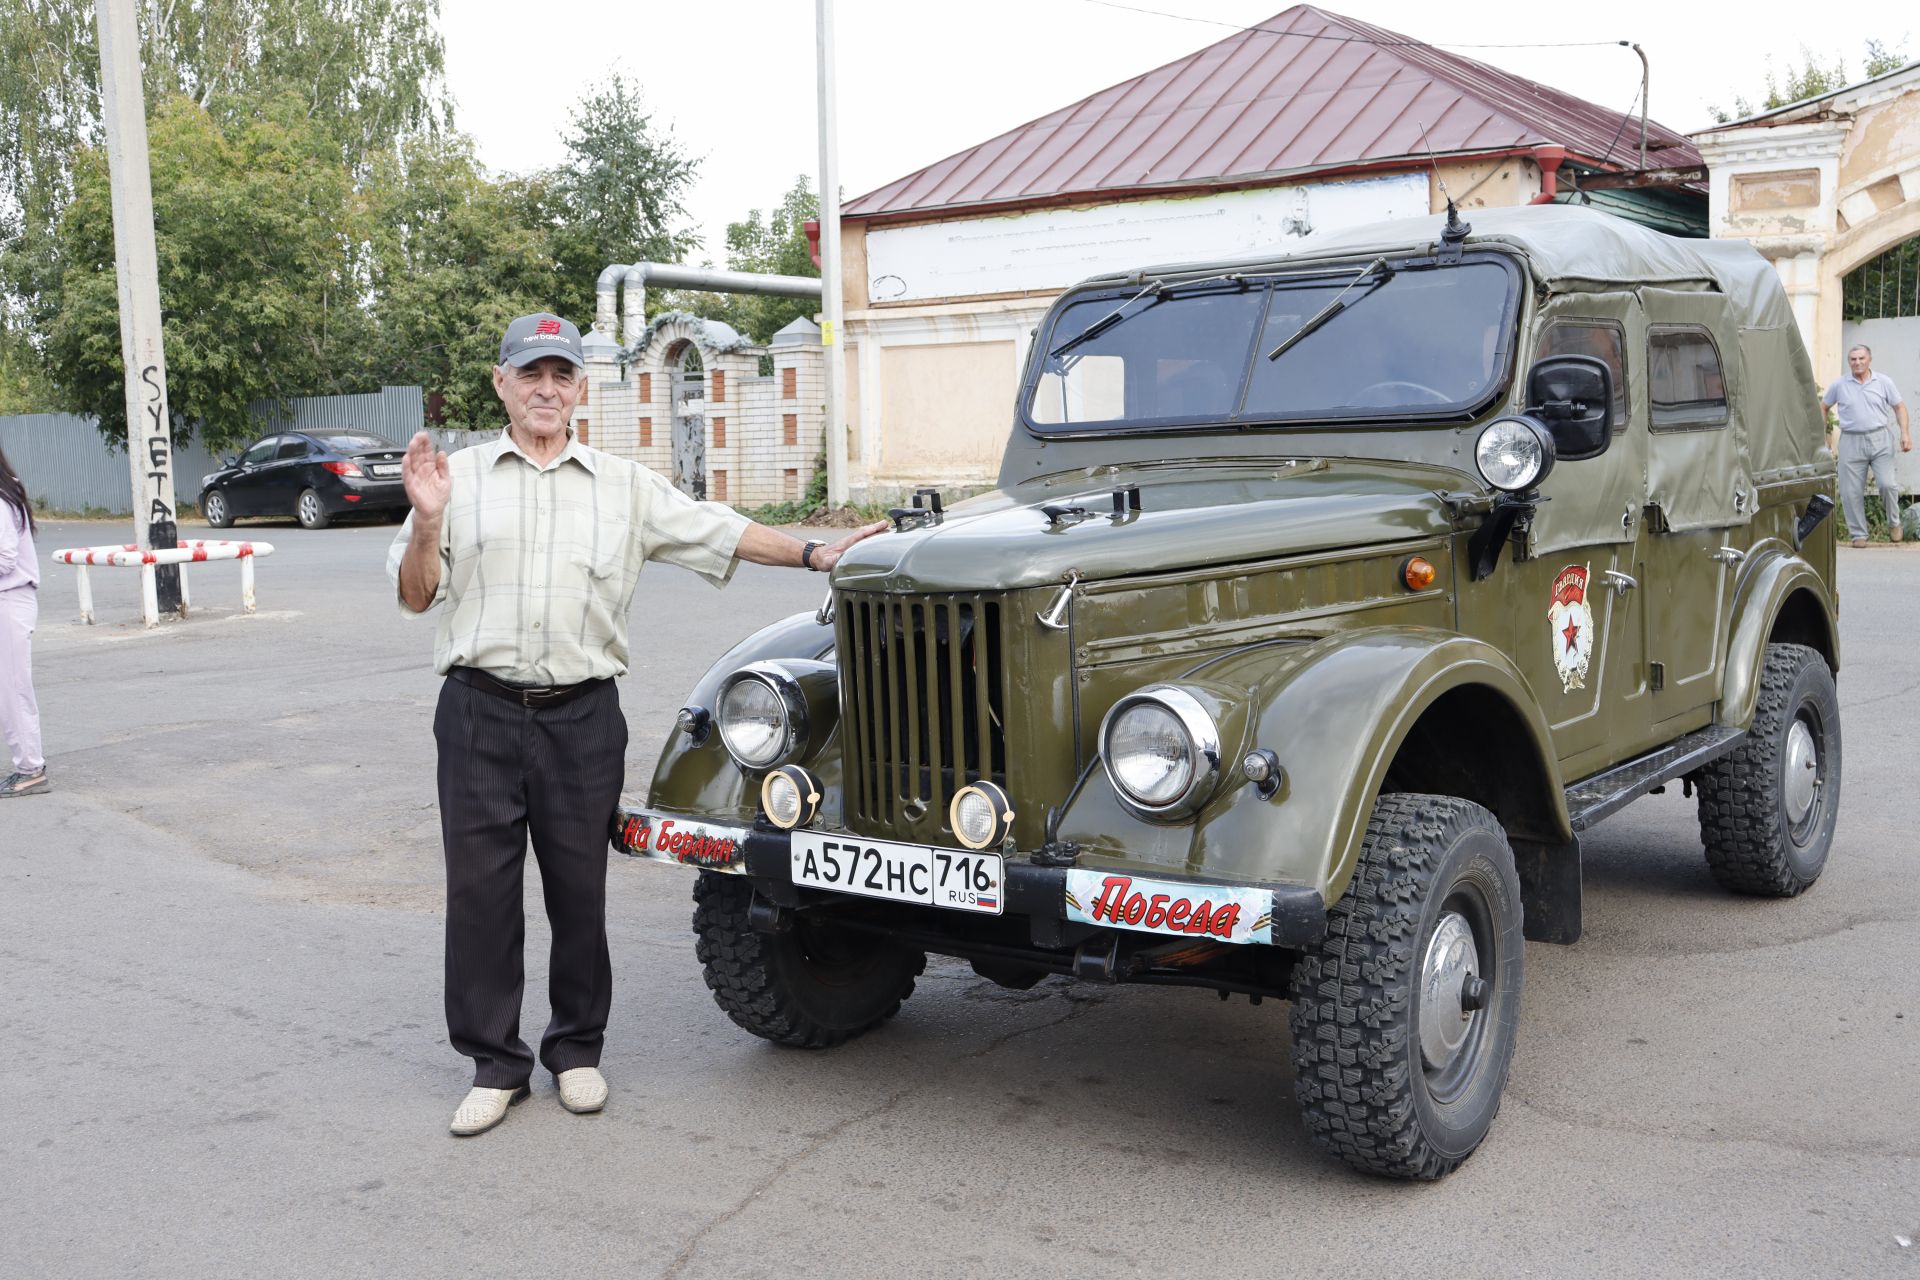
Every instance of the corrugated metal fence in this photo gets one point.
(392, 413)
(67, 464)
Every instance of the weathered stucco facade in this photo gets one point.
(1821, 187)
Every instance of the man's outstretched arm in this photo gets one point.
(769, 546)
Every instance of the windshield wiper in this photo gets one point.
(1160, 289)
(1103, 324)
(1332, 308)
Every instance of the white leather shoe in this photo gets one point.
(484, 1108)
(582, 1089)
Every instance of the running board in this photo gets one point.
(1594, 798)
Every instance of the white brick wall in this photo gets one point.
(755, 457)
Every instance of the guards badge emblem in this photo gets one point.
(1572, 623)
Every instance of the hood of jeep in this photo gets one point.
(1191, 518)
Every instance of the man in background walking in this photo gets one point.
(531, 546)
(1867, 404)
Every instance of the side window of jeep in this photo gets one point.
(1685, 385)
(1602, 339)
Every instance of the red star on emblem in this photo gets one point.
(1572, 632)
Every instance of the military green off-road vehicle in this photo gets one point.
(1324, 601)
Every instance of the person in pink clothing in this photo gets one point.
(19, 610)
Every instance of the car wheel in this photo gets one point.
(813, 985)
(214, 508)
(310, 511)
(1767, 809)
(1404, 1013)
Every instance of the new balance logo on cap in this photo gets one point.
(537, 336)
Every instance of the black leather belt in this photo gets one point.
(532, 697)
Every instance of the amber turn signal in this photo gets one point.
(1418, 573)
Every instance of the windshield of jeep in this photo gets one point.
(1420, 340)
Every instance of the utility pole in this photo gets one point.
(1646, 75)
(136, 265)
(831, 303)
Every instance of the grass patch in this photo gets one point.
(41, 511)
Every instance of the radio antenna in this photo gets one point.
(1456, 231)
(1435, 162)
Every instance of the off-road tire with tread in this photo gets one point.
(1750, 843)
(1364, 1092)
(810, 986)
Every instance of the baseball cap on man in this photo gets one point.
(541, 334)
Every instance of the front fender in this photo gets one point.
(701, 778)
(1335, 711)
(1774, 574)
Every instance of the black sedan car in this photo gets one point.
(312, 476)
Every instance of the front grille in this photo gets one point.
(923, 696)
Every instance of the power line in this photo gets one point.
(1302, 35)
(1624, 119)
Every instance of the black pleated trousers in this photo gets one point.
(507, 773)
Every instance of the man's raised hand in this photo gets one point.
(429, 483)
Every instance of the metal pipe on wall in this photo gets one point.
(634, 279)
(604, 290)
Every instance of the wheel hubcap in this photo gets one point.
(1802, 772)
(310, 509)
(1452, 965)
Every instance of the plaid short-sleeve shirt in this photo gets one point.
(538, 564)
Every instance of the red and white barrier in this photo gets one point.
(127, 555)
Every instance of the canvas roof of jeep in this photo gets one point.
(1568, 247)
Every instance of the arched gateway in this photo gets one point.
(721, 416)
(1829, 190)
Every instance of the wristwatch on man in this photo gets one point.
(806, 553)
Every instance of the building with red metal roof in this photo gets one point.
(1306, 92)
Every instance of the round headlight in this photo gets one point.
(755, 722)
(981, 815)
(1514, 454)
(1161, 749)
(791, 797)
(771, 713)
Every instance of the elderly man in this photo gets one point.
(531, 545)
(1867, 403)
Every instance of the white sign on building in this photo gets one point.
(1049, 249)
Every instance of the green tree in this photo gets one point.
(23, 388)
(252, 225)
(453, 256)
(772, 243)
(1881, 59)
(619, 196)
(364, 72)
(1811, 77)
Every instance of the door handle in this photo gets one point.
(1727, 555)
(1620, 582)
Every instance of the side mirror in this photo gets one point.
(1573, 395)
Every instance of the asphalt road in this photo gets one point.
(220, 994)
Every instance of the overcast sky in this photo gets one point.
(734, 79)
